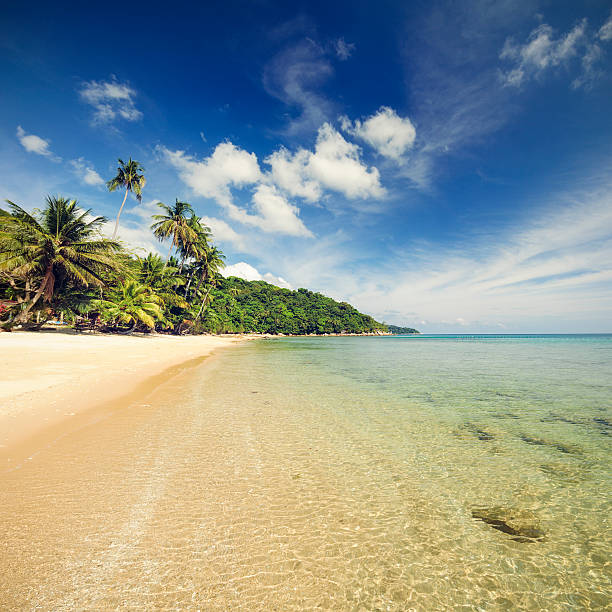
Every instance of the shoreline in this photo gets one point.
(52, 378)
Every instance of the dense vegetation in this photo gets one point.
(394, 329)
(55, 263)
(257, 306)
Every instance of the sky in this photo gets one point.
(442, 165)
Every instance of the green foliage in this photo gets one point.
(52, 251)
(130, 303)
(56, 263)
(129, 177)
(256, 306)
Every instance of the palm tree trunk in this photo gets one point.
(169, 251)
(189, 283)
(119, 214)
(22, 317)
(203, 302)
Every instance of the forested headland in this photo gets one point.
(56, 263)
(397, 330)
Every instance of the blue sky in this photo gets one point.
(438, 164)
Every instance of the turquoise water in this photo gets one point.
(476, 468)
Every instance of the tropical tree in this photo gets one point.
(61, 242)
(210, 268)
(131, 303)
(209, 265)
(173, 224)
(195, 244)
(129, 177)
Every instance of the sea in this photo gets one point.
(423, 472)
(438, 472)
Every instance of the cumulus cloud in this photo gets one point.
(231, 167)
(248, 272)
(110, 100)
(385, 131)
(343, 49)
(543, 52)
(35, 144)
(86, 172)
(275, 213)
(335, 164)
(290, 172)
(228, 166)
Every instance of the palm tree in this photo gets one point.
(129, 175)
(62, 241)
(131, 303)
(174, 224)
(209, 269)
(195, 245)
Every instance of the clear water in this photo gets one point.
(425, 436)
(375, 473)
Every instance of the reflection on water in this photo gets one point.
(343, 474)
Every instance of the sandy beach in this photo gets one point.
(50, 378)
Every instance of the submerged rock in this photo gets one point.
(479, 432)
(564, 448)
(522, 524)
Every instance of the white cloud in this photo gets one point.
(385, 131)
(336, 164)
(223, 232)
(290, 173)
(248, 272)
(343, 49)
(35, 144)
(86, 173)
(111, 100)
(275, 213)
(135, 228)
(228, 166)
(605, 32)
(543, 52)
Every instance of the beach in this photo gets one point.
(49, 378)
(326, 473)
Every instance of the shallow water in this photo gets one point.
(387, 473)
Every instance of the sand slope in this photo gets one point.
(47, 377)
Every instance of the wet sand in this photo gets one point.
(50, 378)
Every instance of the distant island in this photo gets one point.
(396, 330)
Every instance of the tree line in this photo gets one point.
(55, 262)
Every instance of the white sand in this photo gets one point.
(49, 377)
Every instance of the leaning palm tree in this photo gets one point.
(62, 241)
(130, 177)
(173, 224)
